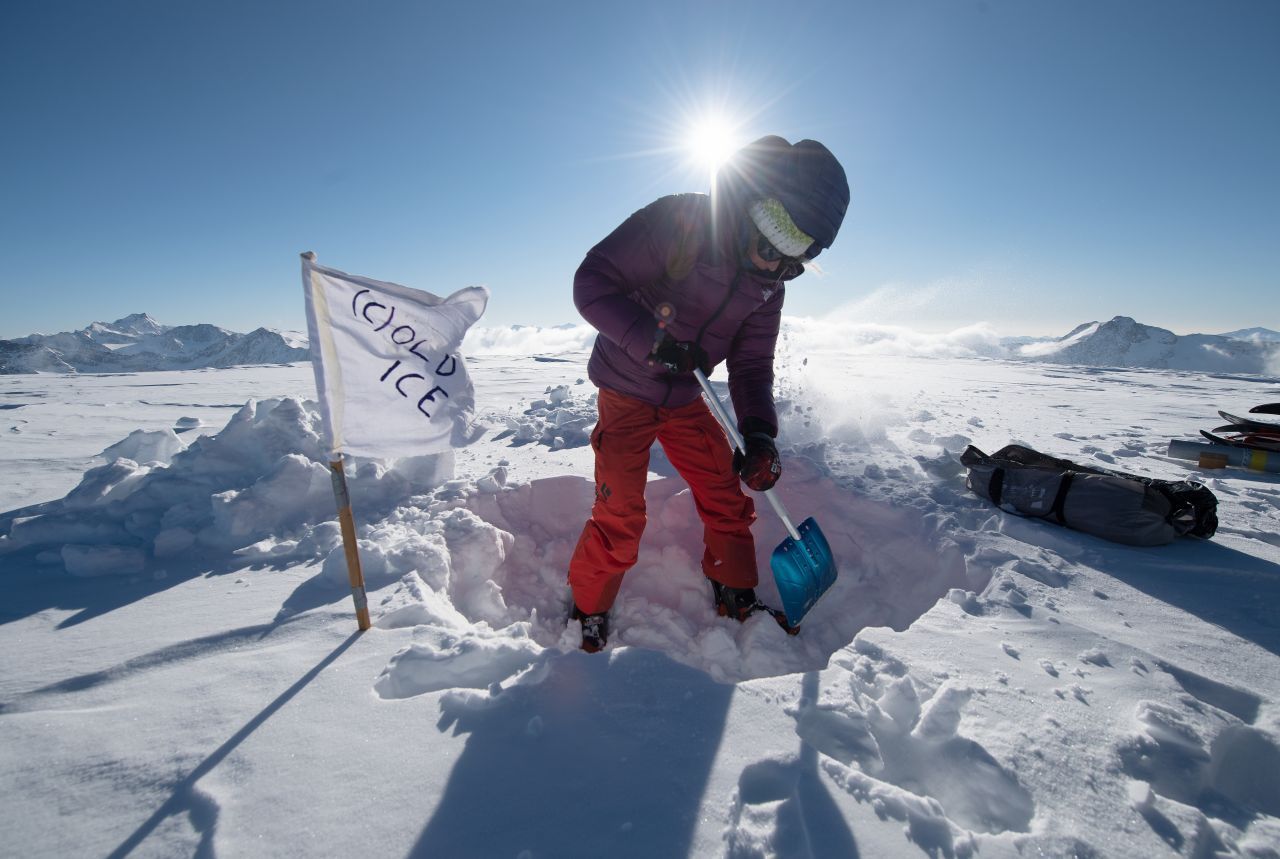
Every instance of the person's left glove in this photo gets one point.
(681, 356)
(759, 465)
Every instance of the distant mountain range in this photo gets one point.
(1124, 342)
(139, 343)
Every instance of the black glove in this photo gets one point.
(681, 356)
(760, 466)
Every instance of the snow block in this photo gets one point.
(93, 561)
(146, 446)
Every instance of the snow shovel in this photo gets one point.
(803, 566)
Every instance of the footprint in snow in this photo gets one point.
(1095, 656)
(914, 745)
(1240, 703)
(1236, 773)
(783, 808)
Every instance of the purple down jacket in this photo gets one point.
(669, 252)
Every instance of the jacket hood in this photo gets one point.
(805, 177)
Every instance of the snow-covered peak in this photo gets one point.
(1049, 347)
(1255, 335)
(1125, 342)
(1085, 328)
(137, 323)
(296, 339)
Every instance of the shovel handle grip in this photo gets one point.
(718, 409)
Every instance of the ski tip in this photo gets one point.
(1266, 409)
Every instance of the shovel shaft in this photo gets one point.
(722, 416)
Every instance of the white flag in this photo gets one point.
(391, 380)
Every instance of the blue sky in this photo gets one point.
(1028, 164)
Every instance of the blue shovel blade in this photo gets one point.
(803, 570)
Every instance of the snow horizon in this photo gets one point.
(139, 343)
(847, 315)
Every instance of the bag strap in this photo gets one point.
(995, 486)
(1060, 500)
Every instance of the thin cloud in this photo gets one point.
(979, 340)
(859, 338)
(529, 340)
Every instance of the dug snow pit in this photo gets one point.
(521, 538)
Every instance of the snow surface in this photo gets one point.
(182, 674)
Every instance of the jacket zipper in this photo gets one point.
(733, 288)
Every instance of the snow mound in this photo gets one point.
(461, 559)
(257, 490)
(559, 421)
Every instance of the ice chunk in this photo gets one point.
(173, 541)
(89, 561)
(146, 446)
(941, 716)
(473, 661)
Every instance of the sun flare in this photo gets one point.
(711, 141)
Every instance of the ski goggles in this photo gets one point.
(769, 253)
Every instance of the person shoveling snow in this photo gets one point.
(683, 284)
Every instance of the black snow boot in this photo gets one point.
(595, 629)
(737, 603)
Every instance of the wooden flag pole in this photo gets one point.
(340, 494)
(348, 524)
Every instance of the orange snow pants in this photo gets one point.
(696, 445)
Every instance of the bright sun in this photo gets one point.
(711, 141)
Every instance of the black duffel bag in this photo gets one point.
(1126, 508)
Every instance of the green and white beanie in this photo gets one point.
(773, 222)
